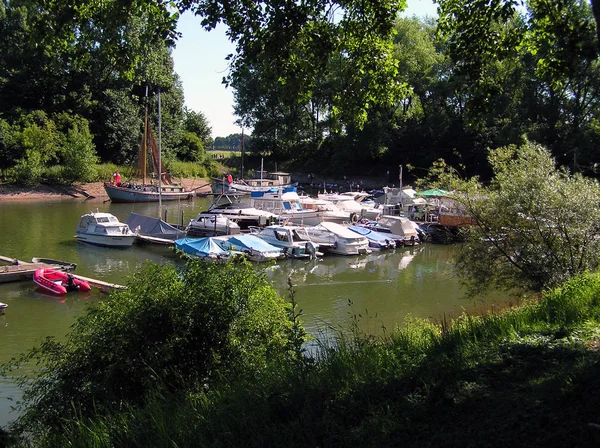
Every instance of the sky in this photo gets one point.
(200, 63)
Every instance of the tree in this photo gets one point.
(536, 225)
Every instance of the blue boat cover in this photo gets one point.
(247, 242)
(201, 247)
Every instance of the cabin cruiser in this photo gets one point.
(337, 239)
(262, 181)
(377, 241)
(286, 205)
(104, 229)
(331, 213)
(212, 224)
(402, 230)
(294, 240)
(348, 202)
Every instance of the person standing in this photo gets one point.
(117, 178)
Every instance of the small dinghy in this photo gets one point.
(57, 282)
(3, 306)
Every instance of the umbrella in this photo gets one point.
(431, 193)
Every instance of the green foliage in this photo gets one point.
(418, 386)
(534, 228)
(174, 330)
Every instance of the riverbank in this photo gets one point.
(10, 192)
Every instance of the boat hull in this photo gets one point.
(106, 240)
(58, 282)
(131, 195)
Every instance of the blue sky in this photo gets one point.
(200, 62)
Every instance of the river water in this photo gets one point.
(378, 290)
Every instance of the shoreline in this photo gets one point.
(91, 190)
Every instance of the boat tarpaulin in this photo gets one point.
(201, 247)
(154, 227)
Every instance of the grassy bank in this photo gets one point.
(524, 377)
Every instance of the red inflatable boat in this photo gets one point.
(58, 282)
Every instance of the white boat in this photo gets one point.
(3, 306)
(251, 246)
(244, 215)
(262, 181)
(337, 239)
(354, 203)
(294, 240)
(400, 229)
(212, 224)
(331, 212)
(104, 229)
(286, 205)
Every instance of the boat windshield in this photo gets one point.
(301, 235)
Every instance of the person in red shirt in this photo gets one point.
(117, 177)
(229, 178)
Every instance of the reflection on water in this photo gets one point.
(382, 287)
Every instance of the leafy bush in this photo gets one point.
(536, 225)
(171, 329)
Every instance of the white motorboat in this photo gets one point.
(338, 239)
(262, 181)
(348, 202)
(286, 205)
(402, 230)
(104, 229)
(212, 224)
(331, 213)
(294, 240)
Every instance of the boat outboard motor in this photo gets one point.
(311, 249)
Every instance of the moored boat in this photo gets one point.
(294, 240)
(337, 239)
(212, 224)
(377, 241)
(206, 249)
(58, 282)
(3, 306)
(146, 193)
(104, 229)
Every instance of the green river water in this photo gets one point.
(383, 288)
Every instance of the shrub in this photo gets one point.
(173, 329)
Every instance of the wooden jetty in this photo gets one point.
(18, 270)
(99, 283)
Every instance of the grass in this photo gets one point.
(527, 376)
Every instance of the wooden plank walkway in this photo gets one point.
(19, 270)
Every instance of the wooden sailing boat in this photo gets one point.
(164, 189)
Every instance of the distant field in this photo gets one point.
(223, 154)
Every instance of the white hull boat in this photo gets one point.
(294, 240)
(104, 229)
(337, 239)
(212, 224)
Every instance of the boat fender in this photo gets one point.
(353, 217)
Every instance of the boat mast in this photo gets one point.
(159, 158)
(242, 145)
(142, 157)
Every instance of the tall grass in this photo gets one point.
(416, 386)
